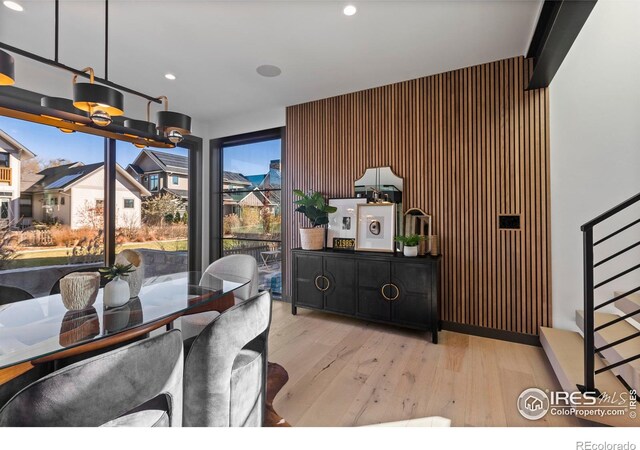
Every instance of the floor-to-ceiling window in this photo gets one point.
(250, 203)
(51, 203)
(53, 200)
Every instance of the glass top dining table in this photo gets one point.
(31, 330)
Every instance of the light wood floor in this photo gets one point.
(347, 372)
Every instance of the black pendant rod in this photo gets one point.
(57, 28)
(106, 39)
(52, 63)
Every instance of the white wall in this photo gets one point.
(230, 126)
(595, 150)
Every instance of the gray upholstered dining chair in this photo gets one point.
(229, 268)
(226, 368)
(136, 385)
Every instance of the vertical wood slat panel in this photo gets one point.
(470, 144)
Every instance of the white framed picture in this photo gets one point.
(376, 227)
(342, 223)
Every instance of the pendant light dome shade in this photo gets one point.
(7, 69)
(90, 96)
(173, 121)
(141, 125)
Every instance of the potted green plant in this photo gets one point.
(410, 243)
(116, 292)
(315, 208)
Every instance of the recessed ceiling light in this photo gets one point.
(170, 76)
(349, 10)
(13, 5)
(269, 71)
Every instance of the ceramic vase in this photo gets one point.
(116, 293)
(136, 277)
(79, 290)
(410, 250)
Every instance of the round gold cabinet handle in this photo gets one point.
(382, 291)
(397, 292)
(317, 285)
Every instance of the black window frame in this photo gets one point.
(124, 203)
(216, 147)
(5, 159)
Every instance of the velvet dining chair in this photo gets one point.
(229, 268)
(139, 384)
(226, 367)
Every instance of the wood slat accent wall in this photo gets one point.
(470, 144)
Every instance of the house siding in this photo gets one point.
(91, 189)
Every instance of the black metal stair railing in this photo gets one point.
(589, 328)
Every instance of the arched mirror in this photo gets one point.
(381, 185)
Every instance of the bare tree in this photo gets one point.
(92, 215)
(155, 209)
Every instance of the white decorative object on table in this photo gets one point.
(135, 278)
(116, 293)
(410, 250)
(79, 290)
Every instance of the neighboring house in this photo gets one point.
(73, 194)
(161, 172)
(12, 153)
(233, 201)
(252, 190)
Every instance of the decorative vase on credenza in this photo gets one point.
(314, 208)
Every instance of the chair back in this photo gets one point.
(110, 386)
(235, 268)
(56, 286)
(10, 294)
(213, 358)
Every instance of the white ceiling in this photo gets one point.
(214, 47)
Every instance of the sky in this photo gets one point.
(49, 143)
(251, 159)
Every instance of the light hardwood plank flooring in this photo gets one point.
(347, 372)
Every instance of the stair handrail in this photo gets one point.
(612, 212)
(589, 287)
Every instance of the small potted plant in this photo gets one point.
(314, 207)
(410, 243)
(116, 292)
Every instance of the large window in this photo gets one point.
(49, 206)
(53, 207)
(250, 202)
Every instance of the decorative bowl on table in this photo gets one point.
(79, 290)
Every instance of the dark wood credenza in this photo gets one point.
(380, 287)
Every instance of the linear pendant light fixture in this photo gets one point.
(100, 102)
(7, 69)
